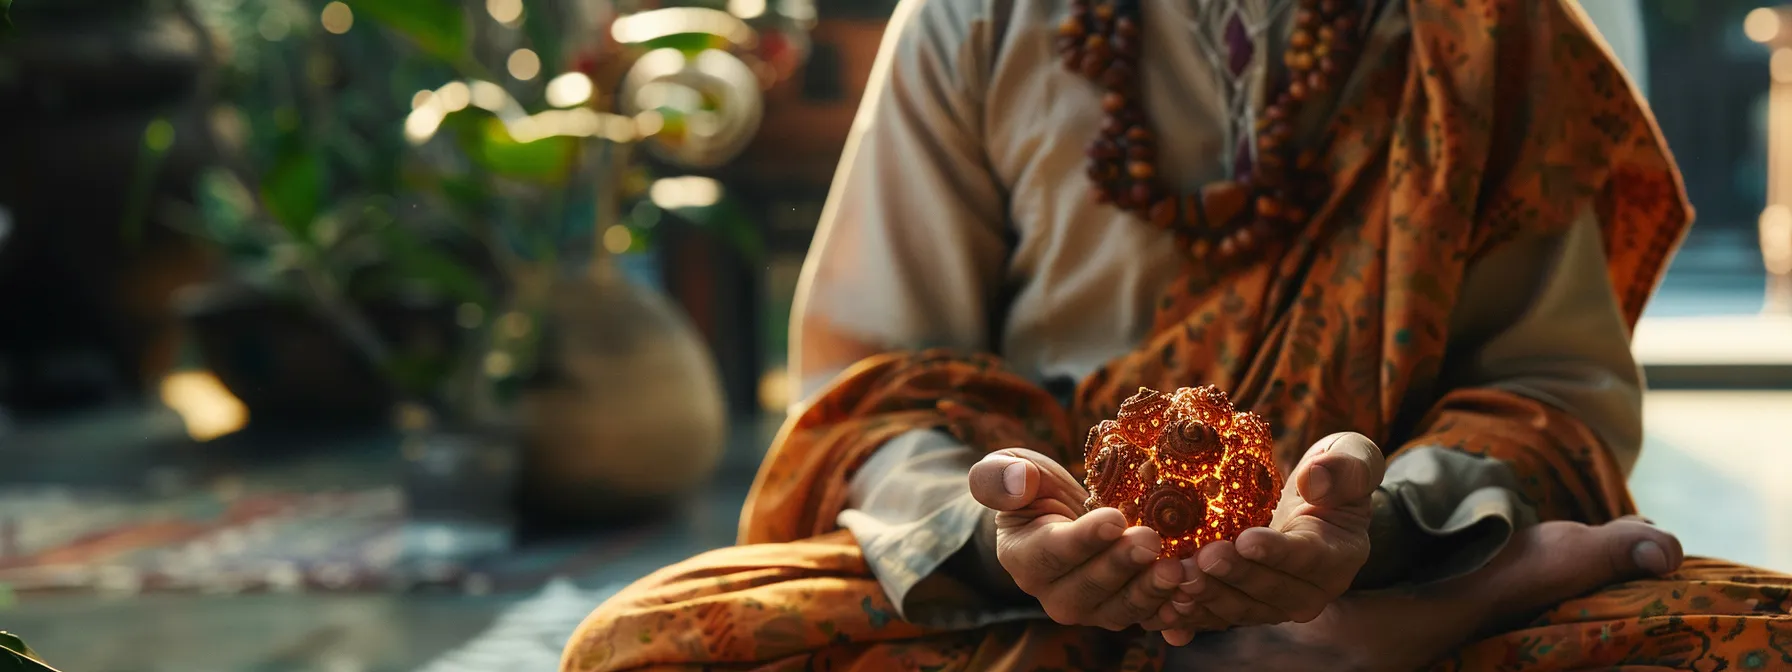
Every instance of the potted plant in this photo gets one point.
(448, 231)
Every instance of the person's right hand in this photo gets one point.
(1084, 567)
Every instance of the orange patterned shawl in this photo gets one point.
(1504, 117)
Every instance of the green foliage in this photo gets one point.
(438, 27)
(15, 655)
(5, 17)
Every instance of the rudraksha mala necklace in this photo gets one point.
(1273, 193)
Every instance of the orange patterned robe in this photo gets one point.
(1503, 116)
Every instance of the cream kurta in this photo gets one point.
(961, 218)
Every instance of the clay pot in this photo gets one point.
(628, 411)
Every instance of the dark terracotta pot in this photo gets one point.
(290, 368)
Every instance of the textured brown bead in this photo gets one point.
(1116, 76)
(1126, 26)
(1345, 24)
(1275, 113)
(1328, 66)
(1163, 213)
(1200, 247)
(1223, 201)
(1226, 248)
(1102, 149)
(1297, 89)
(1102, 195)
(1072, 26)
(1305, 17)
(1301, 39)
(1330, 7)
(1294, 215)
(1140, 170)
(1266, 142)
(1093, 64)
(1298, 61)
(1112, 127)
(1098, 44)
(1113, 102)
(1244, 239)
(1141, 195)
(1140, 152)
(1306, 159)
(1138, 134)
(1104, 12)
(1327, 34)
(1318, 82)
(1268, 206)
(1126, 47)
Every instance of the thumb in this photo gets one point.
(1016, 478)
(1004, 483)
(1339, 470)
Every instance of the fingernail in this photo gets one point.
(1166, 574)
(1109, 531)
(1195, 587)
(1014, 478)
(1220, 568)
(1650, 556)
(1184, 608)
(1142, 555)
(1319, 482)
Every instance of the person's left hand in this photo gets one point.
(1289, 571)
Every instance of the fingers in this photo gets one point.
(1308, 557)
(1291, 597)
(1038, 557)
(1231, 605)
(1143, 598)
(1015, 479)
(1340, 469)
(1075, 597)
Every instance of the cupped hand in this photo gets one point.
(1084, 567)
(1306, 558)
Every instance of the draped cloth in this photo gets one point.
(1503, 118)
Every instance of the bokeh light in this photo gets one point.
(337, 18)
(1762, 25)
(567, 90)
(504, 11)
(617, 239)
(524, 64)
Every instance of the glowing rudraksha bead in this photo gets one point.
(1188, 465)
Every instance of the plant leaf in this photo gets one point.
(548, 160)
(5, 17)
(15, 655)
(416, 260)
(544, 35)
(292, 190)
(438, 27)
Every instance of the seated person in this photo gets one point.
(1414, 236)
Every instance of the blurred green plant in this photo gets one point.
(341, 183)
(15, 656)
